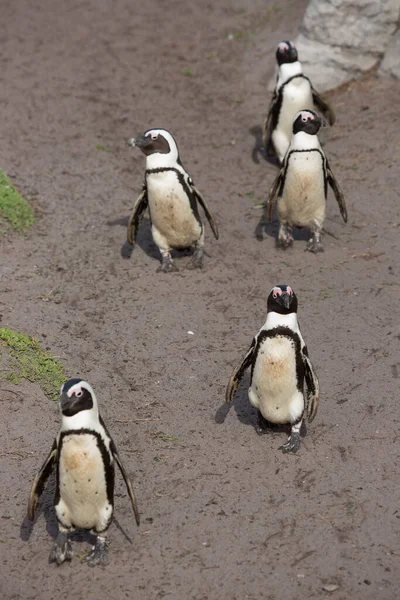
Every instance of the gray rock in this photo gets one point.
(390, 66)
(341, 39)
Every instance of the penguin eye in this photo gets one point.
(154, 136)
(274, 294)
(304, 119)
(79, 394)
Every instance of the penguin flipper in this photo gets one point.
(312, 387)
(273, 194)
(207, 211)
(238, 373)
(136, 216)
(337, 191)
(40, 481)
(128, 483)
(323, 106)
(269, 125)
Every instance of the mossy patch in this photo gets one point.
(28, 360)
(15, 212)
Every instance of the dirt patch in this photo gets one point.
(224, 513)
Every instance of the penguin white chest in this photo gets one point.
(303, 199)
(173, 220)
(82, 483)
(296, 96)
(274, 388)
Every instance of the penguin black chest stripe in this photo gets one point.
(278, 105)
(282, 185)
(284, 331)
(108, 465)
(183, 183)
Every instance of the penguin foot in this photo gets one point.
(196, 261)
(315, 246)
(285, 235)
(285, 243)
(98, 554)
(263, 426)
(293, 443)
(167, 266)
(62, 549)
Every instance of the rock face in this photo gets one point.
(341, 39)
(390, 66)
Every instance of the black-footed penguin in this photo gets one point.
(171, 197)
(280, 365)
(301, 185)
(293, 92)
(85, 455)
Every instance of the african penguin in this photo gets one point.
(171, 197)
(85, 456)
(279, 364)
(302, 183)
(293, 92)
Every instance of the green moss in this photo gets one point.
(165, 437)
(14, 210)
(30, 361)
(102, 148)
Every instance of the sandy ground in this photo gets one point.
(225, 515)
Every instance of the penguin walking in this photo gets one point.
(84, 455)
(293, 92)
(171, 197)
(301, 185)
(280, 365)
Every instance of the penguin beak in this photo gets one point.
(65, 401)
(322, 122)
(138, 141)
(286, 299)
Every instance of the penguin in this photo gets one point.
(293, 92)
(301, 185)
(84, 455)
(171, 197)
(280, 366)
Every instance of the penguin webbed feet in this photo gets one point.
(315, 246)
(167, 264)
(285, 236)
(292, 444)
(196, 262)
(263, 426)
(98, 555)
(62, 549)
(314, 243)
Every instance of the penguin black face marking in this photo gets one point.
(286, 53)
(282, 300)
(151, 142)
(75, 397)
(308, 121)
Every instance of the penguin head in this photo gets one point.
(76, 395)
(286, 53)
(282, 300)
(308, 121)
(158, 145)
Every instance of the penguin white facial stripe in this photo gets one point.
(283, 46)
(305, 115)
(276, 291)
(76, 389)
